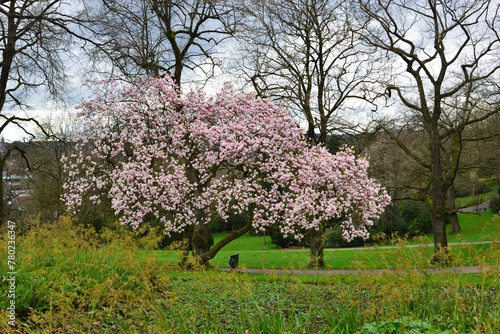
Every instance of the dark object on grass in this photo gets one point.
(233, 261)
(495, 204)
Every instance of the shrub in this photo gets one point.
(278, 239)
(406, 214)
(385, 225)
(333, 239)
(233, 222)
(421, 225)
(481, 188)
(495, 204)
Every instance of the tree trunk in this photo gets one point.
(203, 258)
(455, 224)
(201, 233)
(210, 254)
(316, 249)
(2, 204)
(438, 196)
(201, 236)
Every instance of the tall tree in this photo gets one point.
(46, 178)
(179, 38)
(35, 36)
(305, 55)
(157, 37)
(445, 74)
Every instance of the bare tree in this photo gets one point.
(305, 55)
(157, 37)
(35, 37)
(445, 73)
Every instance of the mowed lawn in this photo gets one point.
(484, 227)
(474, 227)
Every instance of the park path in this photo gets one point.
(372, 247)
(423, 271)
(477, 208)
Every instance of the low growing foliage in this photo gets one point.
(73, 282)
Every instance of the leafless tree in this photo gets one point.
(444, 57)
(36, 36)
(157, 37)
(305, 55)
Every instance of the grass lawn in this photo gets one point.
(346, 259)
(246, 242)
(484, 226)
(476, 227)
(251, 254)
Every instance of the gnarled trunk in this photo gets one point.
(201, 235)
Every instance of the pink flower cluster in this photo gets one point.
(153, 149)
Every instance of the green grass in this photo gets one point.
(474, 228)
(346, 259)
(246, 242)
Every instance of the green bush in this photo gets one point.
(333, 239)
(421, 225)
(495, 204)
(406, 218)
(278, 239)
(233, 222)
(407, 213)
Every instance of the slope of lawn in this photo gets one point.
(474, 227)
(246, 242)
(464, 202)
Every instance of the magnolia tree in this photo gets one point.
(179, 157)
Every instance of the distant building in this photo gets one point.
(15, 179)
